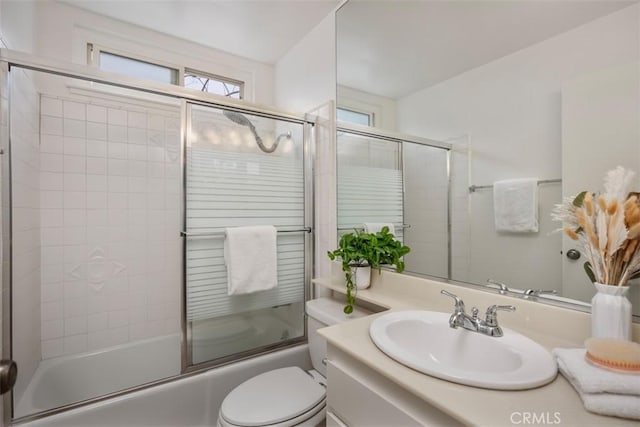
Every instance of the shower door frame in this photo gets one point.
(308, 229)
(12, 59)
(400, 138)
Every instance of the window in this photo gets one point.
(143, 69)
(357, 117)
(213, 84)
(137, 68)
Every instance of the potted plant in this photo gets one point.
(360, 251)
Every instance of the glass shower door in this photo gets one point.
(235, 177)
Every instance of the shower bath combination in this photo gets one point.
(242, 120)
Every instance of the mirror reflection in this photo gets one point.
(542, 90)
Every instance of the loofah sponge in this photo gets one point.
(611, 353)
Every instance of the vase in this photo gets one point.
(611, 312)
(361, 276)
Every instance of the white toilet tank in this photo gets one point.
(324, 312)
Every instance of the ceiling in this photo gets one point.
(260, 30)
(386, 47)
(391, 48)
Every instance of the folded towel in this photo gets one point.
(251, 258)
(374, 227)
(515, 205)
(603, 392)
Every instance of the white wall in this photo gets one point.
(511, 110)
(383, 109)
(305, 81)
(305, 77)
(55, 30)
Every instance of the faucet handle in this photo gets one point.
(492, 316)
(459, 303)
(503, 288)
(538, 292)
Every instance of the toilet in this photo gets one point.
(288, 396)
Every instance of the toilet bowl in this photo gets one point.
(288, 396)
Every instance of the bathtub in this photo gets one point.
(69, 379)
(192, 401)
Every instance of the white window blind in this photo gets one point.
(230, 189)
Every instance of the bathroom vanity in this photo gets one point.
(366, 387)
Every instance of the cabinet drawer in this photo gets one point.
(356, 404)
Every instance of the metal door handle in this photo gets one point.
(573, 254)
(8, 375)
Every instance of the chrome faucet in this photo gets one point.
(537, 292)
(461, 319)
(503, 288)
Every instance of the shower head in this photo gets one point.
(237, 118)
(242, 120)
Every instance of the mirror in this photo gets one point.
(547, 90)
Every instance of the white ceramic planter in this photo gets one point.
(611, 312)
(361, 276)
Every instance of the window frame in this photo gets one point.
(369, 114)
(93, 59)
(213, 76)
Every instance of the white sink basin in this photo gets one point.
(423, 340)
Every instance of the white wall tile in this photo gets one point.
(96, 113)
(75, 182)
(75, 200)
(51, 107)
(97, 166)
(51, 181)
(96, 182)
(52, 310)
(75, 128)
(51, 162)
(75, 344)
(52, 329)
(76, 325)
(75, 164)
(96, 131)
(117, 117)
(117, 133)
(137, 120)
(74, 110)
(51, 125)
(75, 146)
(110, 238)
(96, 148)
(52, 348)
(51, 144)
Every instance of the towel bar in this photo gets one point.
(221, 233)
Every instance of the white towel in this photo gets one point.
(515, 205)
(603, 392)
(251, 258)
(374, 227)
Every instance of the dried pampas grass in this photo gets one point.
(607, 226)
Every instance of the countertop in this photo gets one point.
(555, 403)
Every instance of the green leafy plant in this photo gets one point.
(359, 249)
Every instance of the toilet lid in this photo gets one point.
(272, 397)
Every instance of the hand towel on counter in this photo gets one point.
(515, 205)
(603, 392)
(374, 227)
(251, 257)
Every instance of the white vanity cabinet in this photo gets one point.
(358, 396)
